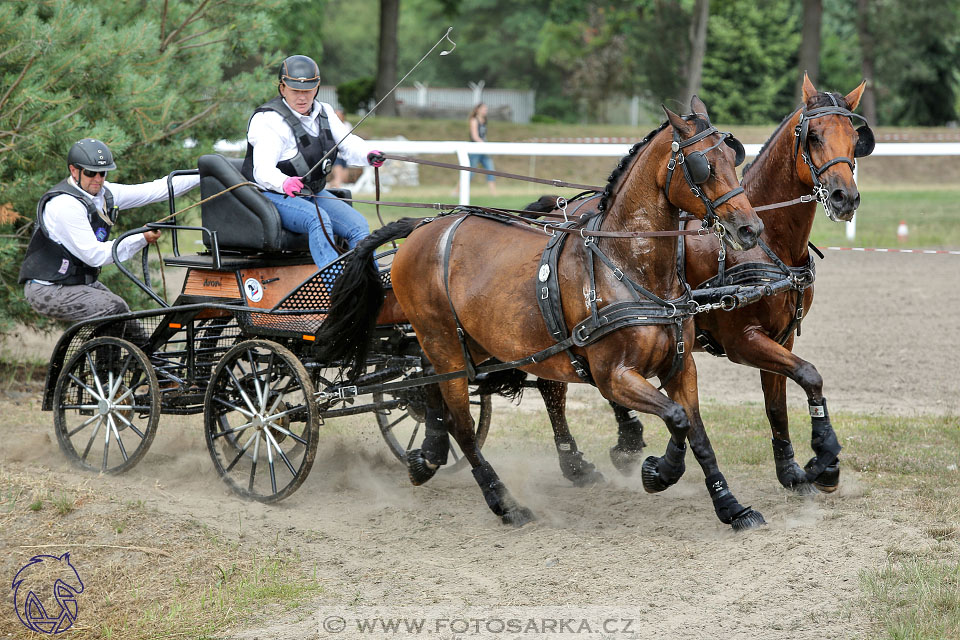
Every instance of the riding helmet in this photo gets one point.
(92, 154)
(299, 72)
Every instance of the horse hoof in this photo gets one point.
(518, 516)
(829, 480)
(652, 483)
(418, 469)
(750, 519)
(625, 461)
(588, 479)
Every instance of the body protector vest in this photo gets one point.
(50, 261)
(310, 149)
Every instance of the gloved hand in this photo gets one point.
(375, 158)
(292, 185)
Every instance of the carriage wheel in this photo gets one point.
(260, 420)
(106, 405)
(403, 428)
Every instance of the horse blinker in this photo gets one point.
(865, 142)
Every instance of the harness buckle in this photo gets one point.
(581, 336)
(672, 164)
(587, 240)
(618, 274)
(800, 312)
(680, 347)
(809, 198)
(347, 392)
(591, 296)
(695, 191)
(544, 294)
(673, 310)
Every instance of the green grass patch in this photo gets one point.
(915, 597)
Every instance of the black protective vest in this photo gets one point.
(310, 149)
(50, 261)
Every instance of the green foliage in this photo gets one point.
(356, 94)
(918, 80)
(750, 67)
(142, 76)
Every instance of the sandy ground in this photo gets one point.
(883, 334)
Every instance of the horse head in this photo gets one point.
(707, 184)
(827, 144)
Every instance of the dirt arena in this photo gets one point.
(883, 333)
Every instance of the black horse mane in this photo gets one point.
(822, 99)
(702, 124)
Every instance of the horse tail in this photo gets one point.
(545, 204)
(508, 383)
(356, 299)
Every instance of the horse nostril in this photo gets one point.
(747, 235)
(838, 197)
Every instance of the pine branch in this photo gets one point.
(23, 72)
(202, 44)
(190, 19)
(186, 125)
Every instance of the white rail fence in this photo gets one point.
(462, 149)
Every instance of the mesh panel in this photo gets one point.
(313, 294)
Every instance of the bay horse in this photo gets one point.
(469, 286)
(808, 159)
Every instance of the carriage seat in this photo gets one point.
(243, 218)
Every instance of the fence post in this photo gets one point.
(464, 159)
(852, 225)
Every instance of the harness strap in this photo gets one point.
(461, 334)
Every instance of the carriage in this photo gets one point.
(237, 345)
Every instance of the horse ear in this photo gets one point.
(697, 106)
(853, 98)
(679, 124)
(808, 89)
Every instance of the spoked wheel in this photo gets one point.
(403, 428)
(106, 405)
(260, 420)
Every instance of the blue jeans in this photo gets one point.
(484, 161)
(339, 218)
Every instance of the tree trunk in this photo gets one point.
(698, 47)
(387, 56)
(810, 43)
(868, 102)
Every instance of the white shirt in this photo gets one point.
(273, 141)
(67, 224)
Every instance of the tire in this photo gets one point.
(260, 398)
(107, 388)
(402, 429)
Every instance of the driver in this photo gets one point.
(289, 135)
(69, 242)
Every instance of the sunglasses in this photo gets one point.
(90, 174)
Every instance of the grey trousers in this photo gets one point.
(73, 303)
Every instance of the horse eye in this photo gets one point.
(813, 137)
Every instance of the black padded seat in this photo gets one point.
(243, 218)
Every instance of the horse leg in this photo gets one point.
(775, 361)
(423, 463)
(575, 468)
(630, 389)
(456, 394)
(626, 454)
(683, 389)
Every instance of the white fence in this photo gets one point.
(462, 149)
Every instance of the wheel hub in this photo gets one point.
(103, 407)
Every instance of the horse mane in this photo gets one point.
(822, 99)
(702, 124)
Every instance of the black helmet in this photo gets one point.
(92, 154)
(299, 72)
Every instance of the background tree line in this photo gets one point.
(147, 75)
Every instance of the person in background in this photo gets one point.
(289, 135)
(478, 133)
(70, 242)
(338, 174)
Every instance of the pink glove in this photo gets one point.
(375, 158)
(292, 185)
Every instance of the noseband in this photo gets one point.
(864, 146)
(696, 169)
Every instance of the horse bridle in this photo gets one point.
(697, 170)
(864, 147)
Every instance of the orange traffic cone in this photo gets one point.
(902, 231)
